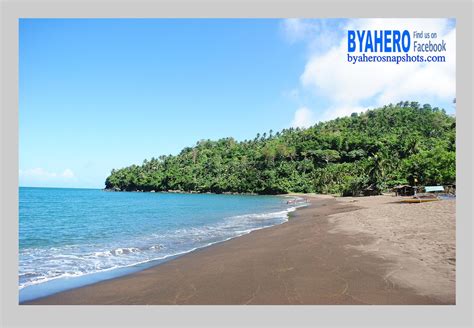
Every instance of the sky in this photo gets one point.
(98, 94)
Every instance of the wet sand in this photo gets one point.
(312, 259)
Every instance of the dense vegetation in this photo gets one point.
(397, 144)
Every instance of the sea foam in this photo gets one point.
(137, 247)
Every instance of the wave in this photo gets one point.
(38, 266)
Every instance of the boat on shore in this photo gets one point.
(421, 199)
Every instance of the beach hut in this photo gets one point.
(404, 190)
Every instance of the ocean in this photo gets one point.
(73, 237)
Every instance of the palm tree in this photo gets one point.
(378, 166)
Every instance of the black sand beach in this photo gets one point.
(311, 259)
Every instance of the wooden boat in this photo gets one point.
(421, 199)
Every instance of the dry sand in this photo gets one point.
(327, 253)
(419, 238)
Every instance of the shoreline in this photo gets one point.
(192, 192)
(91, 278)
(301, 261)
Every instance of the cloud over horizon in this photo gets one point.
(44, 177)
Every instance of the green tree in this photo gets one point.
(381, 147)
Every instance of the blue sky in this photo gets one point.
(97, 94)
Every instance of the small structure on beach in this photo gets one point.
(404, 190)
(450, 189)
(434, 189)
(429, 194)
(370, 191)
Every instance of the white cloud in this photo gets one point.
(303, 118)
(347, 86)
(296, 29)
(68, 173)
(318, 33)
(340, 111)
(41, 175)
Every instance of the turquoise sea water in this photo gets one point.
(72, 237)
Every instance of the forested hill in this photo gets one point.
(397, 144)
